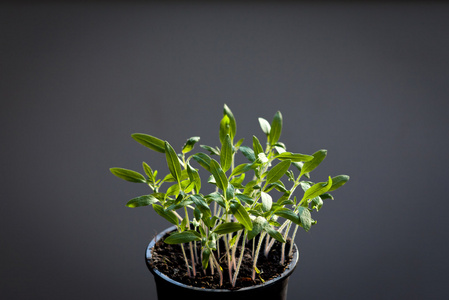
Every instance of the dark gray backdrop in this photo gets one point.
(367, 82)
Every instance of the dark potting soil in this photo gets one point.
(168, 259)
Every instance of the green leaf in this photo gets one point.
(128, 175)
(310, 165)
(257, 146)
(173, 162)
(228, 228)
(230, 192)
(168, 215)
(338, 181)
(316, 203)
(248, 153)
(276, 128)
(149, 172)
(267, 201)
(288, 214)
(273, 233)
(183, 237)
(216, 197)
(205, 258)
(265, 126)
(238, 180)
(295, 157)
(327, 195)
(226, 154)
(201, 204)
(317, 189)
(219, 175)
(179, 204)
(170, 178)
(150, 141)
(142, 201)
(278, 171)
(212, 151)
(194, 177)
(203, 160)
(232, 124)
(305, 217)
(258, 225)
(241, 215)
(188, 146)
(245, 199)
(239, 142)
(225, 128)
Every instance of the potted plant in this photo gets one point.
(232, 241)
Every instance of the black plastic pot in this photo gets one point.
(168, 289)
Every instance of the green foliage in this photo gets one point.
(244, 202)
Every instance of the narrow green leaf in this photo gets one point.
(295, 157)
(310, 165)
(288, 214)
(170, 178)
(188, 146)
(238, 180)
(179, 204)
(232, 124)
(216, 197)
(173, 162)
(219, 175)
(205, 258)
(142, 201)
(241, 215)
(278, 171)
(226, 154)
(257, 146)
(258, 225)
(194, 177)
(226, 228)
(149, 172)
(244, 198)
(273, 233)
(265, 126)
(168, 215)
(150, 141)
(317, 189)
(305, 217)
(211, 150)
(230, 192)
(248, 153)
(338, 181)
(225, 128)
(239, 142)
(276, 128)
(201, 204)
(316, 203)
(203, 160)
(327, 195)
(267, 201)
(128, 175)
(183, 237)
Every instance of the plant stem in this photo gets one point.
(242, 250)
(283, 244)
(234, 248)
(220, 273)
(185, 259)
(256, 256)
(293, 238)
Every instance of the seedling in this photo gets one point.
(242, 207)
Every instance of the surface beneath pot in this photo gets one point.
(168, 259)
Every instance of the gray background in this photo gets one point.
(367, 82)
